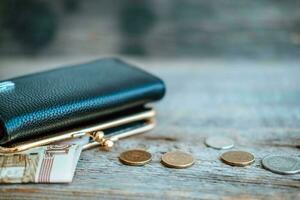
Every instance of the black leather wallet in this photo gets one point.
(103, 99)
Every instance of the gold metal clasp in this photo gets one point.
(105, 144)
(95, 132)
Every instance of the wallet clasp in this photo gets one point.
(95, 132)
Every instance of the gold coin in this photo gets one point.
(135, 157)
(237, 158)
(177, 159)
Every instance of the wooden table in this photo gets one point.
(255, 103)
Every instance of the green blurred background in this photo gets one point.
(159, 29)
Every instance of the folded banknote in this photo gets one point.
(46, 164)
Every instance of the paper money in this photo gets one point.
(47, 164)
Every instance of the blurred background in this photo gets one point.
(169, 28)
(231, 63)
(67, 31)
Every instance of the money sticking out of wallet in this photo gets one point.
(101, 102)
(45, 164)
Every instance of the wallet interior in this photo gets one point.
(114, 127)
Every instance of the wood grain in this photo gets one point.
(199, 28)
(255, 103)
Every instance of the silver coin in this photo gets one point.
(219, 142)
(282, 164)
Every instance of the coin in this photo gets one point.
(282, 164)
(219, 142)
(135, 157)
(177, 159)
(237, 158)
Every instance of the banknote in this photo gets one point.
(47, 164)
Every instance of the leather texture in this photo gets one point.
(42, 103)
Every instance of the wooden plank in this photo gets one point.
(264, 29)
(255, 103)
